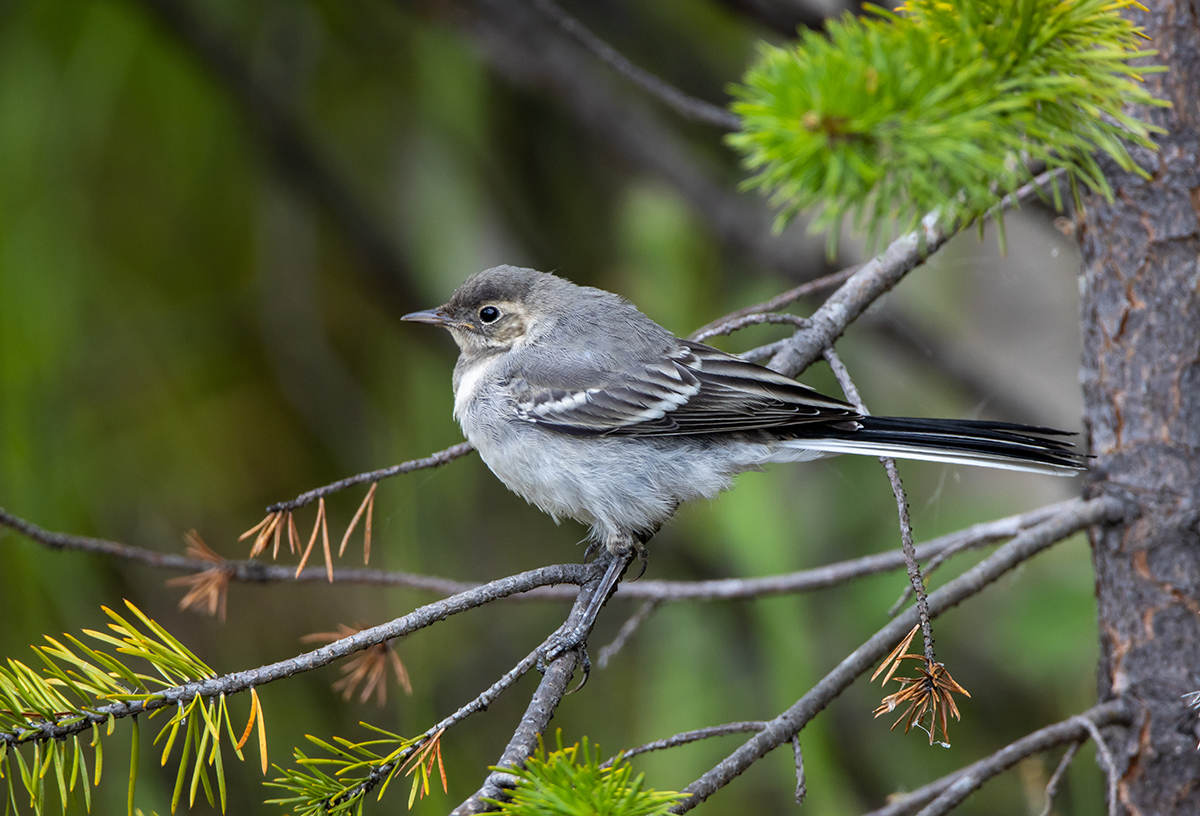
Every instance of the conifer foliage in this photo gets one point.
(942, 105)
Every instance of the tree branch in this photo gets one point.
(689, 107)
(916, 582)
(253, 572)
(244, 680)
(542, 705)
(780, 730)
(1052, 786)
(626, 632)
(830, 575)
(381, 772)
(774, 304)
(433, 460)
(738, 323)
(685, 737)
(874, 279)
(943, 795)
(535, 55)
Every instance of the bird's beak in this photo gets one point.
(436, 317)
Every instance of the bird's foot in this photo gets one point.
(643, 556)
(574, 638)
(559, 644)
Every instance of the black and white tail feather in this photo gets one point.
(690, 389)
(954, 441)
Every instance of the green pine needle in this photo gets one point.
(357, 768)
(573, 782)
(943, 105)
(76, 680)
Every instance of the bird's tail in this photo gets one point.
(956, 441)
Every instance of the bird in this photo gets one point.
(589, 410)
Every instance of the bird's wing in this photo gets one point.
(694, 389)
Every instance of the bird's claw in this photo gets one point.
(559, 644)
(575, 639)
(643, 556)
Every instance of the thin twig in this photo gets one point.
(433, 460)
(893, 473)
(1034, 187)
(493, 691)
(1079, 515)
(915, 579)
(687, 737)
(757, 355)
(244, 571)
(801, 785)
(1056, 777)
(834, 574)
(627, 629)
(933, 563)
(689, 107)
(379, 773)
(542, 705)
(738, 323)
(779, 301)
(1105, 758)
(872, 280)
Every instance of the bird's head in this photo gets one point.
(498, 309)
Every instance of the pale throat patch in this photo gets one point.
(470, 382)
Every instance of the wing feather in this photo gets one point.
(695, 389)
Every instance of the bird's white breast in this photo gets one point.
(468, 384)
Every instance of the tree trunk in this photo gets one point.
(1141, 376)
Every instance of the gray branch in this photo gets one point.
(541, 707)
(875, 279)
(941, 796)
(977, 535)
(780, 730)
(534, 54)
(244, 680)
(686, 106)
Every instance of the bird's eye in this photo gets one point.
(489, 314)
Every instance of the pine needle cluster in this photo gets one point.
(357, 768)
(574, 782)
(80, 689)
(945, 104)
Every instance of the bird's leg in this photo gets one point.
(618, 562)
(576, 637)
(639, 549)
(639, 545)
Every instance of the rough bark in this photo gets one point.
(1141, 377)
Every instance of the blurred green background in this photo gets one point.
(212, 216)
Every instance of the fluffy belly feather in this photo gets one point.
(616, 485)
